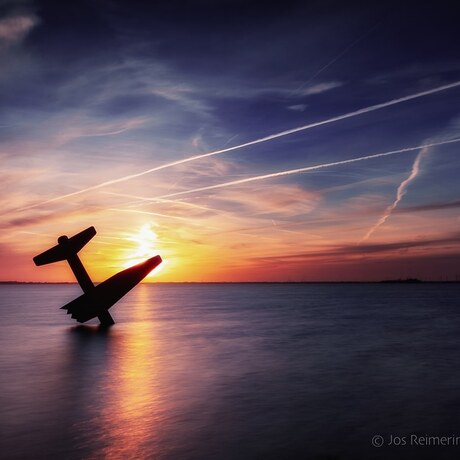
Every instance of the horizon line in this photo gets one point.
(395, 280)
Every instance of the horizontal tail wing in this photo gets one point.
(54, 254)
(65, 248)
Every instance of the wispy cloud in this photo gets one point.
(288, 201)
(14, 28)
(49, 218)
(305, 90)
(339, 252)
(80, 127)
(428, 207)
(320, 88)
(298, 107)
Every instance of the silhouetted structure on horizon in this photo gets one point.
(400, 280)
(96, 300)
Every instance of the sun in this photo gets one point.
(146, 241)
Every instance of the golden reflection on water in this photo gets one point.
(132, 412)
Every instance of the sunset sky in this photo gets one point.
(100, 101)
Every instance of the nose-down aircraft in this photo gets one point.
(96, 300)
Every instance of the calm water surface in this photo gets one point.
(237, 371)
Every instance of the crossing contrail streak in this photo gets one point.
(174, 202)
(306, 169)
(136, 211)
(399, 194)
(247, 144)
(336, 58)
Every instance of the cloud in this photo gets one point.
(289, 201)
(298, 107)
(51, 217)
(277, 91)
(417, 71)
(13, 29)
(320, 88)
(340, 252)
(429, 207)
(82, 126)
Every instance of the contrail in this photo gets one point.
(336, 58)
(159, 200)
(136, 211)
(254, 142)
(307, 168)
(399, 193)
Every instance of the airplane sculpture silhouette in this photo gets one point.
(96, 300)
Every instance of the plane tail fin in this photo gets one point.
(66, 247)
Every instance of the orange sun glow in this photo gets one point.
(146, 241)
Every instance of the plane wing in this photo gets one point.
(99, 299)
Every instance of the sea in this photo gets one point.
(233, 371)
